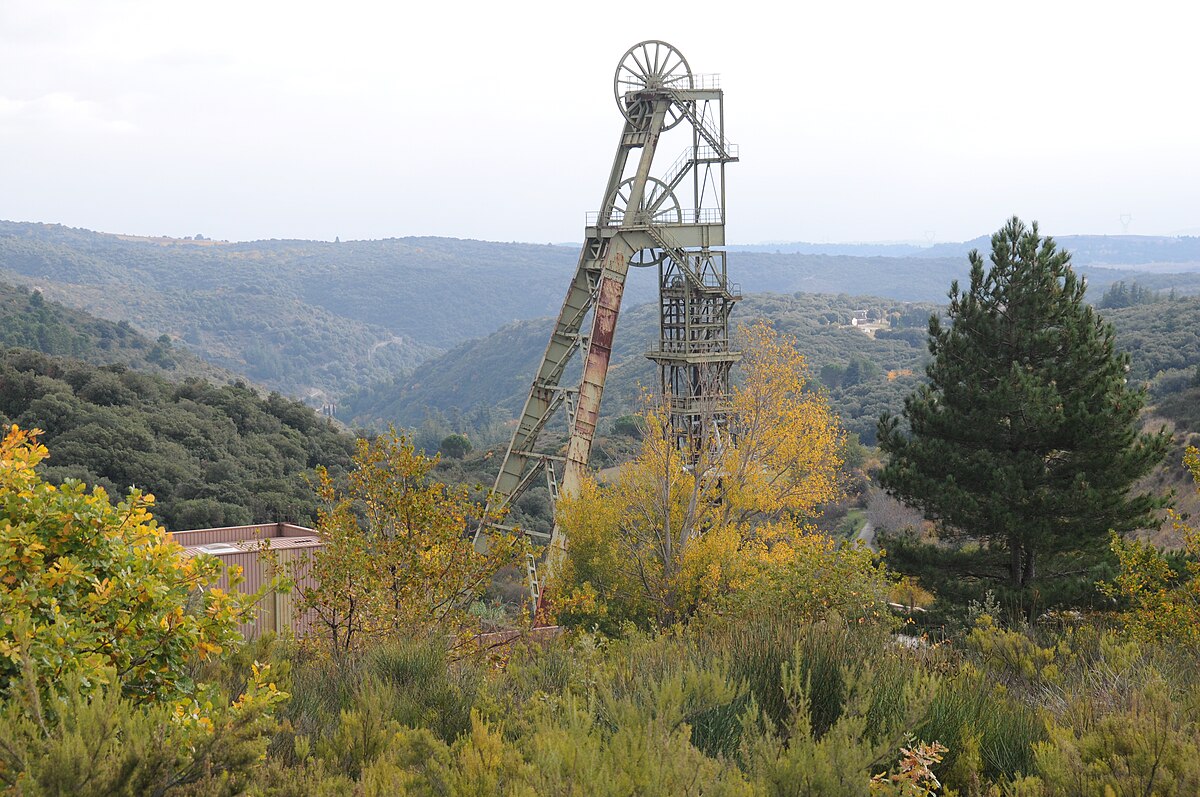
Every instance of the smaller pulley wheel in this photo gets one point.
(645, 73)
(644, 258)
(659, 204)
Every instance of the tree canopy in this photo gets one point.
(397, 559)
(1026, 436)
(98, 592)
(671, 536)
(214, 455)
(104, 625)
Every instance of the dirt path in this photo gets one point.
(867, 535)
(380, 344)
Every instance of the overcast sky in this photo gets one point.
(857, 121)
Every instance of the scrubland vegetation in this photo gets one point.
(713, 640)
(806, 688)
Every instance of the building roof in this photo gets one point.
(230, 540)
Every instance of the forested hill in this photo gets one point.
(864, 374)
(1140, 252)
(1162, 338)
(483, 381)
(249, 308)
(211, 455)
(911, 278)
(28, 320)
(319, 320)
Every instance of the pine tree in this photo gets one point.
(1026, 436)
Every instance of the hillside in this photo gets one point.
(211, 455)
(27, 320)
(115, 427)
(909, 278)
(495, 371)
(1163, 339)
(1140, 252)
(319, 320)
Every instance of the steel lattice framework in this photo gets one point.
(674, 222)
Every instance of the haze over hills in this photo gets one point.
(304, 317)
(321, 320)
(1138, 252)
(482, 382)
(495, 371)
(28, 320)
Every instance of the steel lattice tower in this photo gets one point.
(674, 222)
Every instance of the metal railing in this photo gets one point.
(694, 155)
(711, 80)
(698, 405)
(663, 217)
(705, 280)
(690, 347)
(699, 122)
(701, 81)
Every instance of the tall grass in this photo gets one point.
(972, 718)
(724, 678)
(395, 683)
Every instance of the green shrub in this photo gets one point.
(427, 690)
(988, 734)
(1148, 743)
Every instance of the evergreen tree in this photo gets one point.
(1026, 437)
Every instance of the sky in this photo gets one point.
(856, 120)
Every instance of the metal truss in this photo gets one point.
(674, 222)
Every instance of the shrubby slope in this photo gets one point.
(211, 455)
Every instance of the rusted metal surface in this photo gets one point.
(591, 385)
(608, 307)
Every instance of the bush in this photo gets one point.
(98, 592)
(455, 446)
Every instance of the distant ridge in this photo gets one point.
(1182, 252)
(321, 320)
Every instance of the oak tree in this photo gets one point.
(397, 557)
(99, 594)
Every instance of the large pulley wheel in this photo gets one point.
(644, 258)
(644, 74)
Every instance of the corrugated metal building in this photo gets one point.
(242, 546)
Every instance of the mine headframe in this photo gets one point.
(673, 222)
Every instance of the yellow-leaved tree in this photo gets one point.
(669, 537)
(398, 557)
(1158, 603)
(103, 621)
(97, 593)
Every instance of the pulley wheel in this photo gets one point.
(644, 73)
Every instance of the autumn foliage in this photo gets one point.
(103, 623)
(398, 557)
(671, 536)
(98, 592)
(1158, 604)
